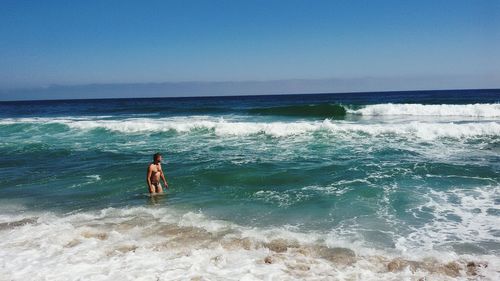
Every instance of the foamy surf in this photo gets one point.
(228, 127)
(165, 244)
(465, 110)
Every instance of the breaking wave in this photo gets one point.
(389, 109)
(313, 110)
(466, 110)
(223, 127)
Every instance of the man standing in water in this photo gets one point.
(155, 173)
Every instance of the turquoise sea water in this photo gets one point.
(409, 175)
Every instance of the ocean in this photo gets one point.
(355, 186)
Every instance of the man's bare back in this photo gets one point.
(155, 174)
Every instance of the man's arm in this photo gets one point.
(148, 179)
(163, 178)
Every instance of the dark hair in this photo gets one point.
(156, 155)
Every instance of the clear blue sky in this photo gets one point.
(80, 42)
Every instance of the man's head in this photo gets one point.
(157, 157)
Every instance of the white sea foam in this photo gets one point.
(91, 179)
(94, 177)
(469, 110)
(469, 216)
(337, 188)
(282, 199)
(164, 244)
(222, 127)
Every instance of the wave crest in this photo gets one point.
(313, 110)
(222, 127)
(466, 110)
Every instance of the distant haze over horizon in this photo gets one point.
(126, 48)
(234, 88)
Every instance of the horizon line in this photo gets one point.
(248, 95)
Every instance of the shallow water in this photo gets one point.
(372, 186)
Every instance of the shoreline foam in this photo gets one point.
(164, 244)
